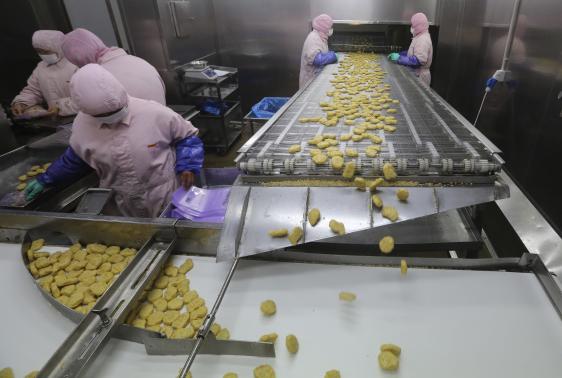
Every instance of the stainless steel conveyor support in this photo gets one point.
(209, 320)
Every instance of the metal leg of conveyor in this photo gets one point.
(93, 332)
(209, 320)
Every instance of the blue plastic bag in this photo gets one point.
(215, 108)
(268, 106)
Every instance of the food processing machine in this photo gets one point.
(443, 162)
(442, 306)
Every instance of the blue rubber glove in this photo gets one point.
(189, 155)
(410, 61)
(68, 167)
(322, 59)
(393, 57)
(33, 189)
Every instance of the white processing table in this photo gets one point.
(448, 323)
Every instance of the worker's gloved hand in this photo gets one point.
(322, 59)
(18, 108)
(187, 179)
(393, 57)
(33, 189)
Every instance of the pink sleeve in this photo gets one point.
(31, 93)
(422, 50)
(180, 128)
(312, 49)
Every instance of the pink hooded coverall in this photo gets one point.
(315, 42)
(135, 157)
(422, 47)
(139, 78)
(49, 83)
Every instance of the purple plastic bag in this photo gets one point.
(200, 205)
(179, 215)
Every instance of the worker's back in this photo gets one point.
(313, 45)
(139, 78)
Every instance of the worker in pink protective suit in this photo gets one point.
(49, 82)
(315, 53)
(139, 78)
(420, 54)
(140, 149)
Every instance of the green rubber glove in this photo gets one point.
(33, 189)
(393, 57)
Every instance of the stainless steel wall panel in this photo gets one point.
(498, 12)
(92, 15)
(523, 119)
(195, 20)
(143, 28)
(378, 10)
(264, 40)
(151, 31)
(458, 51)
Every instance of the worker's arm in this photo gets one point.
(410, 61)
(68, 167)
(189, 149)
(189, 155)
(421, 54)
(189, 159)
(65, 106)
(321, 59)
(31, 94)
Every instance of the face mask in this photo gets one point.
(115, 117)
(412, 31)
(330, 32)
(49, 59)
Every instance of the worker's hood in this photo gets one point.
(96, 91)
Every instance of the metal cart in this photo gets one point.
(203, 85)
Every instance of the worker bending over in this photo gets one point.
(420, 53)
(139, 78)
(140, 149)
(49, 82)
(315, 53)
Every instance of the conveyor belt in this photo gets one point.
(431, 137)
(429, 313)
(442, 159)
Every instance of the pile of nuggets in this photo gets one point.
(360, 99)
(79, 275)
